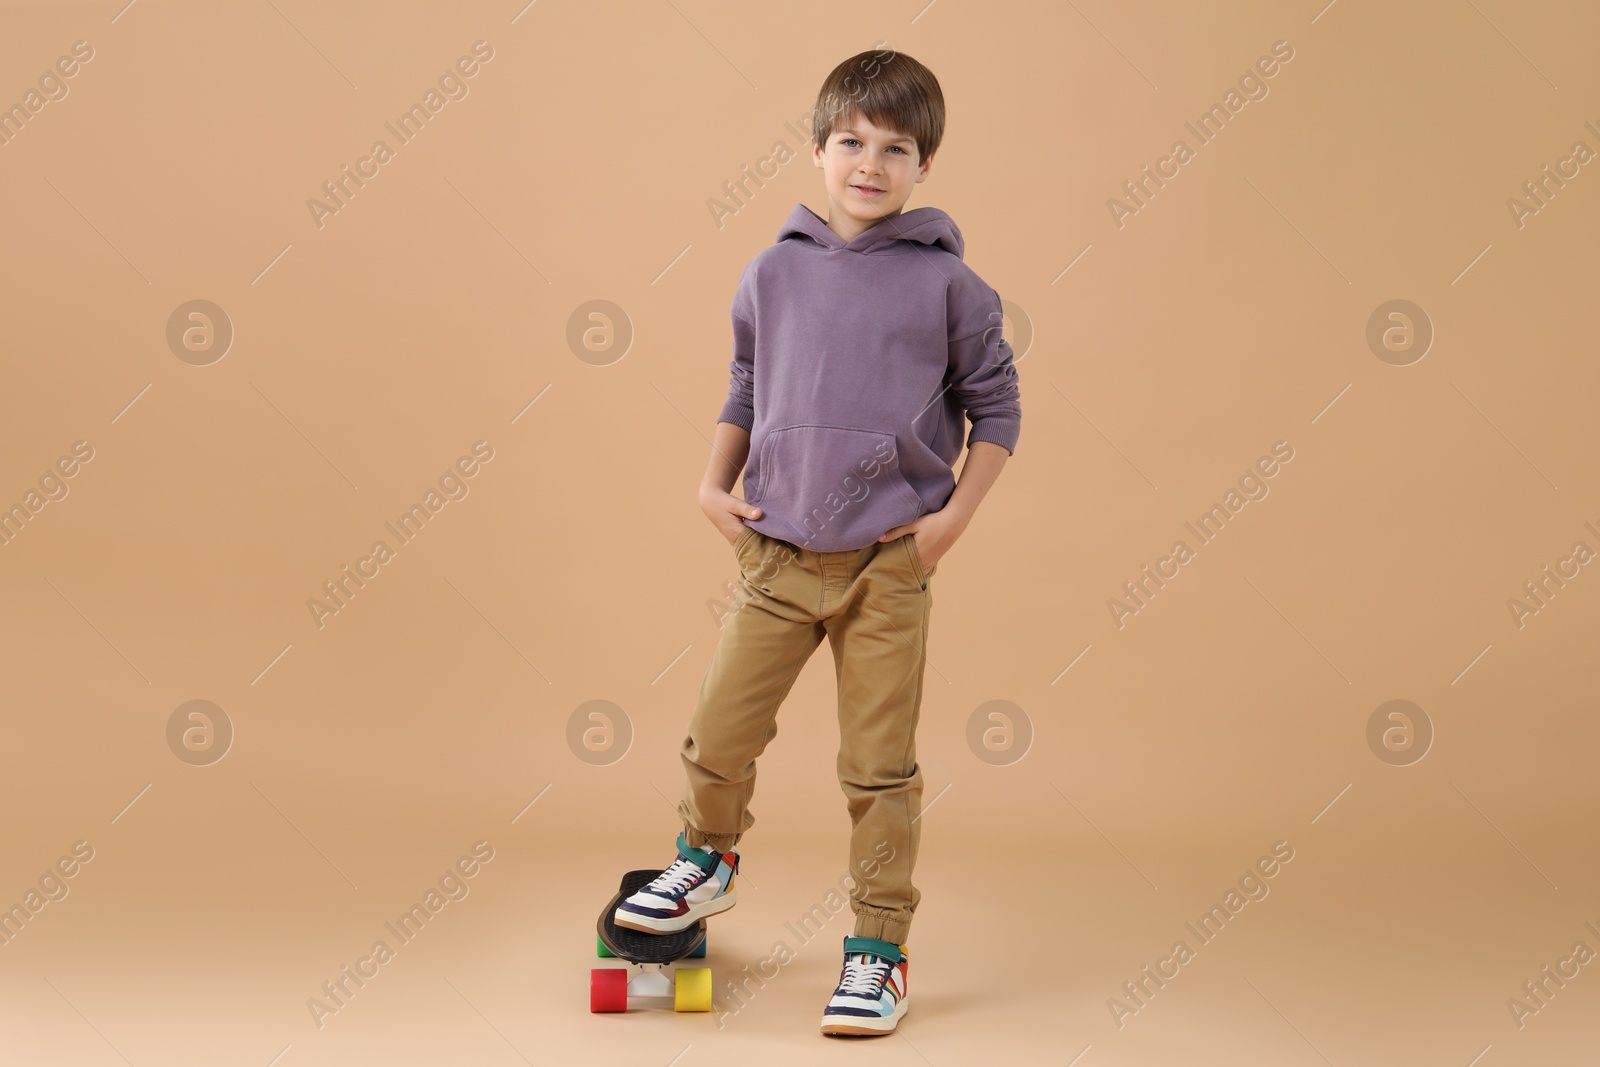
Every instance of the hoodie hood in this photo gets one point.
(895, 235)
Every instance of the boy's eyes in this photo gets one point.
(853, 141)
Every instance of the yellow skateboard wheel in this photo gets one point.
(692, 989)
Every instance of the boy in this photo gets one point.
(860, 343)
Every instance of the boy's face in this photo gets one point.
(869, 173)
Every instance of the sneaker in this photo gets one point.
(699, 883)
(871, 998)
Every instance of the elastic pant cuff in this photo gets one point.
(894, 931)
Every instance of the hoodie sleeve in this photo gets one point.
(981, 373)
(739, 408)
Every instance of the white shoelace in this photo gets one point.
(864, 978)
(676, 877)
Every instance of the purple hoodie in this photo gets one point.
(854, 366)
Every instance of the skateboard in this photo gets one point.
(648, 958)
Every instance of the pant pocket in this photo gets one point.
(916, 560)
(744, 535)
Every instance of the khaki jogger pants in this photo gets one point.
(873, 605)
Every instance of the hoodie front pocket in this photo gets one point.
(841, 486)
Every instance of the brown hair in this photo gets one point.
(891, 89)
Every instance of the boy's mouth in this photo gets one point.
(868, 191)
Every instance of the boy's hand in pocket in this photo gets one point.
(939, 530)
(726, 512)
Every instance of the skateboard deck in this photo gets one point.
(647, 957)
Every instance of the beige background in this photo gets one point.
(432, 711)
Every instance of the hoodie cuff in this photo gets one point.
(739, 414)
(997, 429)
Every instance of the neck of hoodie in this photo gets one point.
(896, 235)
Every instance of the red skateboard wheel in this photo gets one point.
(608, 989)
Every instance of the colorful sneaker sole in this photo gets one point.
(865, 1025)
